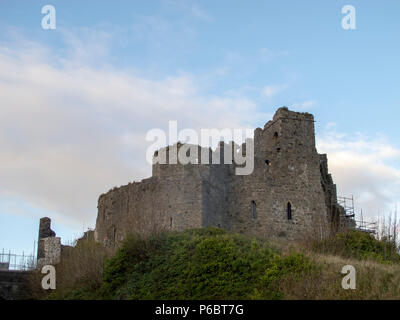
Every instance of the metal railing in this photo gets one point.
(11, 261)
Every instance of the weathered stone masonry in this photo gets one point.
(49, 246)
(288, 193)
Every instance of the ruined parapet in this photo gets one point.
(88, 236)
(288, 130)
(326, 179)
(172, 161)
(340, 219)
(334, 210)
(45, 228)
(49, 246)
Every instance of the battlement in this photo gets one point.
(285, 113)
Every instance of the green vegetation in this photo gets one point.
(199, 264)
(359, 245)
(214, 264)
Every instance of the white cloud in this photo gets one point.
(69, 132)
(271, 90)
(304, 106)
(363, 167)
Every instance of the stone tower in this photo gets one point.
(283, 196)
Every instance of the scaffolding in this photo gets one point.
(368, 227)
(348, 205)
(360, 225)
(21, 262)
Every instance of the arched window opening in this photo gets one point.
(289, 211)
(278, 150)
(253, 210)
(267, 162)
(170, 222)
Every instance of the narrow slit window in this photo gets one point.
(276, 137)
(113, 234)
(253, 210)
(289, 211)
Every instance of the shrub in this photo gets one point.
(359, 245)
(199, 264)
(214, 264)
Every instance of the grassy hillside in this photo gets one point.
(214, 264)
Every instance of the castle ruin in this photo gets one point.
(49, 246)
(290, 192)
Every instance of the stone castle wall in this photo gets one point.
(289, 178)
(149, 206)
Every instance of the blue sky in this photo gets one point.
(76, 101)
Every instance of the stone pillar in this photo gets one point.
(49, 246)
